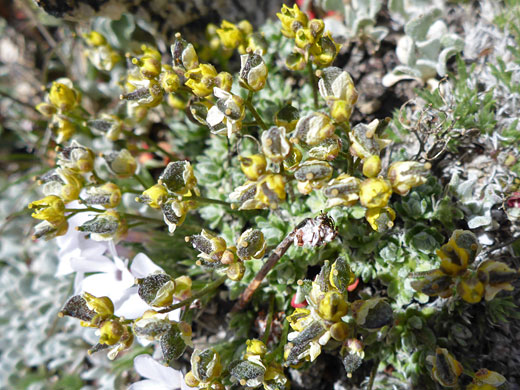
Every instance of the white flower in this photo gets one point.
(228, 111)
(158, 377)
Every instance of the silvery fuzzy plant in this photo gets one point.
(424, 50)
(360, 21)
(402, 11)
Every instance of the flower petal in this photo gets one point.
(142, 266)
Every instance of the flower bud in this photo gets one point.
(256, 347)
(372, 166)
(235, 271)
(364, 141)
(292, 161)
(292, 20)
(63, 183)
(253, 72)
(253, 166)
(471, 289)
(340, 111)
(229, 34)
(287, 117)
(485, 377)
(111, 332)
(210, 246)
(245, 196)
(341, 276)
(342, 191)
(270, 190)
(94, 38)
(380, 218)
(108, 195)
(149, 66)
(178, 177)
(314, 172)
(102, 306)
(103, 57)
(170, 82)
(275, 144)
(339, 331)
(205, 365)
(325, 50)
(374, 193)
(404, 175)
(295, 61)
(256, 43)
(496, 276)
(63, 95)
(201, 79)
(77, 307)
(76, 157)
(154, 196)
(109, 125)
(314, 128)
(46, 109)
(332, 307)
(51, 209)
(372, 313)
(122, 163)
(316, 26)
(156, 290)
(460, 251)
(224, 81)
(190, 379)
(446, 370)
(251, 245)
(304, 38)
(326, 150)
(184, 54)
(174, 213)
(336, 84)
(105, 227)
(49, 231)
(434, 283)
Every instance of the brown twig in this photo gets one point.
(276, 255)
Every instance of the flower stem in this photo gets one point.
(141, 181)
(209, 288)
(269, 320)
(202, 199)
(251, 108)
(153, 145)
(312, 79)
(141, 218)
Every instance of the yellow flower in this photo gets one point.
(496, 276)
(107, 195)
(49, 231)
(76, 157)
(256, 347)
(93, 38)
(295, 61)
(458, 252)
(372, 166)
(380, 218)
(103, 306)
(404, 175)
(174, 213)
(327, 150)
(336, 84)
(229, 34)
(251, 245)
(364, 141)
(224, 80)
(304, 38)
(253, 166)
(434, 283)
(486, 380)
(470, 289)
(270, 190)
(63, 95)
(178, 177)
(65, 183)
(154, 196)
(46, 109)
(299, 319)
(121, 163)
(201, 79)
(342, 191)
(184, 54)
(111, 332)
(275, 145)
(51, 209)
(292, 20)
(170, 81)
(446, 370)
(314, 128)
(374, 193)
(312, 174)
(210, 246)
(325, 50)
(253, 71)
(332, 307)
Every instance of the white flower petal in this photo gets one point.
(131, 305)
(142, 266)
(148, 384)
(215, 116)
(148, 367)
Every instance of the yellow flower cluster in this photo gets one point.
(100, 53)
(311, 42)
(487, 280)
